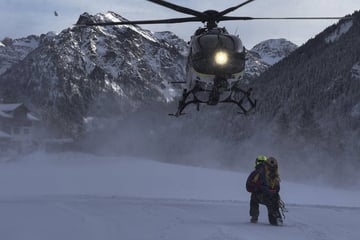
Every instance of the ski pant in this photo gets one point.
(270, 201)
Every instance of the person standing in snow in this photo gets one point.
(264, 185)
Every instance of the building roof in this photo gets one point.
(9, 106)
(5, 115)
(32, 117)
(7, 109)
(4, 135)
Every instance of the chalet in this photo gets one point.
(4, 141)
(17, 125)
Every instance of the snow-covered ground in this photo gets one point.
(79, 196)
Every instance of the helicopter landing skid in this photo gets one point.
(239, 102)
(235, 92)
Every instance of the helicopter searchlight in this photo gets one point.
(216, 60)
(221, 58)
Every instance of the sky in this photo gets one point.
(20, 18)
(82, 196)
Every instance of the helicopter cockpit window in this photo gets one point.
(211, 42)
(217, 54)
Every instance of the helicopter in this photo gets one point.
(216, 61)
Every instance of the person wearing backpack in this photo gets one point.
(264, 185)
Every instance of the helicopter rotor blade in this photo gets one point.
(229, 18)
(159, 21)
(226, 11)
(178, 8)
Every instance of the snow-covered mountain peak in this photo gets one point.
(273, 50)
(265, 54)
(106, 18)
(114, 17)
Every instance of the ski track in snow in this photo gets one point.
(92, 217)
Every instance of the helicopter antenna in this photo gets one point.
(236, 30)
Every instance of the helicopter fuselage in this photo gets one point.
(215, 52)
(216, 62)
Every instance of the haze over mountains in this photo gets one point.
(115, 80)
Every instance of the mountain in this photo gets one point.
(273, 50)
(96, 72)
(265, 54)
(15, 50)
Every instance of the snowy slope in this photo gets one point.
(79, 196)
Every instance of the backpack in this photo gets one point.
(252, 181)
(265, 174)
(272, 174)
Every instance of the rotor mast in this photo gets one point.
(211, 19)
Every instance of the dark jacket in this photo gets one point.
(257, 182)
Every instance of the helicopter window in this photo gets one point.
(211, 42)
(200, 31)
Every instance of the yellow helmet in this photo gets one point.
(260, 159)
